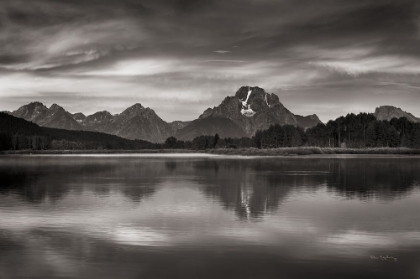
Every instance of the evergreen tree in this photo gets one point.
(416, 136)
(170, 142)
(215, 140)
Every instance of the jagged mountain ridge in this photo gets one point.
(389, 112)
(141, 123)
(251, 109)
(241, 115)
(136, 122)
(53, 117)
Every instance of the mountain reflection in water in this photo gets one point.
(206, 217)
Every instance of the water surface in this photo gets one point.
(138, 216)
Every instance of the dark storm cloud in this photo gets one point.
(197, 52)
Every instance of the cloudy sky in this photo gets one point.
(179, 57)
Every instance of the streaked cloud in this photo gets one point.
(222, 61)
(383, 64)
(221, 51)
(139, 68)
(322, 57)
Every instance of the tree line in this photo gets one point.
(354, 131)
(364, 130)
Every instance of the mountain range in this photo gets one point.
(249, 110)
(136, 122)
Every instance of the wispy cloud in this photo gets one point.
(139, 67)
(222, 61)
(314, 55)
(221, 51)
(57, 45)
(381, 64)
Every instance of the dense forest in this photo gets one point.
(353, 131)
(19, 134)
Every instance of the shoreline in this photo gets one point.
(249, 152)
(305, 151)
(104, 151)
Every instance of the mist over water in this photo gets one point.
(209, 217)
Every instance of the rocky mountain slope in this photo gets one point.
(53, 117)
(249, 110)
(307, 121)
(79, 117)
(136, 122)
(176, 125)
(389, 112)
(211, 125)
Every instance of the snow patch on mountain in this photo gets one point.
(266, 101)
(247, 112)
(246, 108)
(244, 103)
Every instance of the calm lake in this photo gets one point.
(198, 216)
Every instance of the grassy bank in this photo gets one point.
(296, 151)
(285, 151)
(104, 151)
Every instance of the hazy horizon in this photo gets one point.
(181, 57)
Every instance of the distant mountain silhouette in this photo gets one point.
(389, 112)
(179, 124)
(212, 125)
